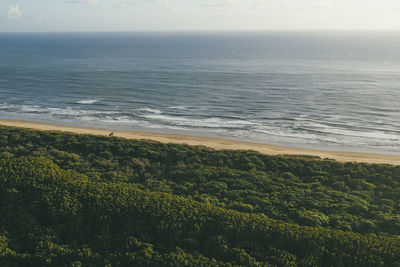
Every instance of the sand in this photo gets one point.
(216, 143)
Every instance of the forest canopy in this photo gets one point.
(81, 200)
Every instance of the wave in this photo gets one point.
(339, 131)
(317, 134)
(150, 110)
(23, 108)
(344, 130)
(67, 111)
(125, 120)
(213, 122)
(178, 107)
(87, 102)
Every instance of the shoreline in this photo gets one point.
(215, 143)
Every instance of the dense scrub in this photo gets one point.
(79, 200)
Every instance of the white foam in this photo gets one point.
(23, 108)
(337, 130)
(205, 123)
(87, 102)
(120, 119)
(150, 110)
(310, 125)
(178, 107)
(66, 111)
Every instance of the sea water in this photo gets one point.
(332, 90)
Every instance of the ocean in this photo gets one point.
(332, 90)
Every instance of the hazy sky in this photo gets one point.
(176, 15)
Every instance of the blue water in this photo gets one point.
(319, 90)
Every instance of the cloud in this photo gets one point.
(164, 3)
(14, 12)
(90, 2)
(322, 4)
(296, 5)
(220, 4)
(123, 4)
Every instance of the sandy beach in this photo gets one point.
(215, 143)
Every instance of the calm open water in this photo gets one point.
(321, 90)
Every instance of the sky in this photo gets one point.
(197, 15)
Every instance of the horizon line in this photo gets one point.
(216, 31)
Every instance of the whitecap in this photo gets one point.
(150, 110)
(87, 102)
(178, 107)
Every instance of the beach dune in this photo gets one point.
(215, 143)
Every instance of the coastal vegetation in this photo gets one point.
(83, 200)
